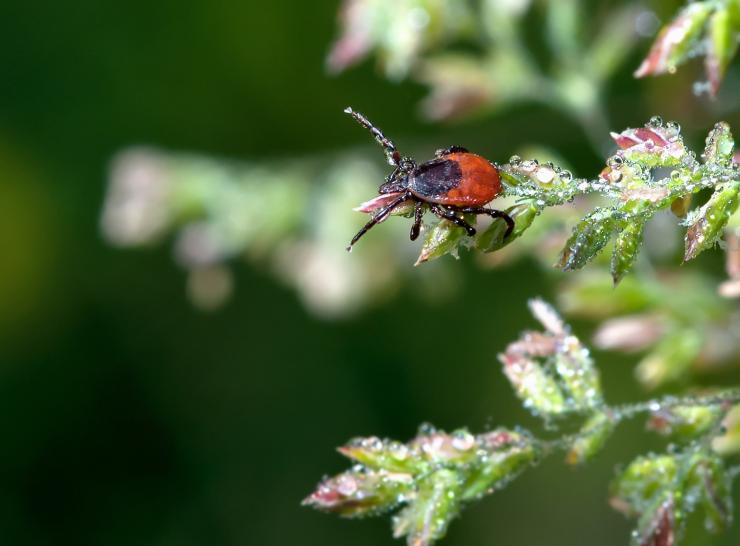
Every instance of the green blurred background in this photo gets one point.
(128, 416)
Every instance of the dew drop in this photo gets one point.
(615, 161)
(426, 429)
(656, 121)
(674, 127)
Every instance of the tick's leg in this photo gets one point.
(381, 215)
(418, 215)
(450, 215)
(494, 214)
(451, 150)
(391, 153)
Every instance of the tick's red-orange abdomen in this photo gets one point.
(458, 179)
(479, 184)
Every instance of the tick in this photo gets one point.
(455, 182)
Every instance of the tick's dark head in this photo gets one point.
(398, 180)
(396, 183)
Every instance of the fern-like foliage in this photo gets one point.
(428, 480)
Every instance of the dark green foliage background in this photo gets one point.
(128, 417)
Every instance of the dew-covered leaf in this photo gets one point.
(589, 237)
(720, 145)
(435, 504)
(443, 238)
(729, 443)
(492, 238)
(640, 485)
(710, 480)
(551, 371)
(591, 437)
(538, 389)
(657, 144)
(626, 248)
(507, 454)
(657, 526)
(437, 447)
(709, 221)
(386, 455)
(684, 422)
(360, 492)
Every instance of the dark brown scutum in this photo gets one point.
(435, 178)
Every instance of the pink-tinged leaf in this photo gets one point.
(675, 41)
(356, 39)
(533, 384)
(378, 202)
(548, 317)
(534, 344)
(623, 140)
(645, 134)
(650, 139)
(732, 265)
(442, 448)
(358, 493)
(498, 439)
(629, 333)
(654, 145)
(659, 526)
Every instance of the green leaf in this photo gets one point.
(721, 46)
(551, 371)
(492, 238)
(720, 145)
(729, 443)
(507, 454)
(439, 448)
(711, 481)
(591, 438)
(577, 374)
(436, 503)
(444, 238)
(539, 390)
(685, 422)
(589, 237)
(710, 220)
(384, 455)
(626, 247)
(640, 485)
